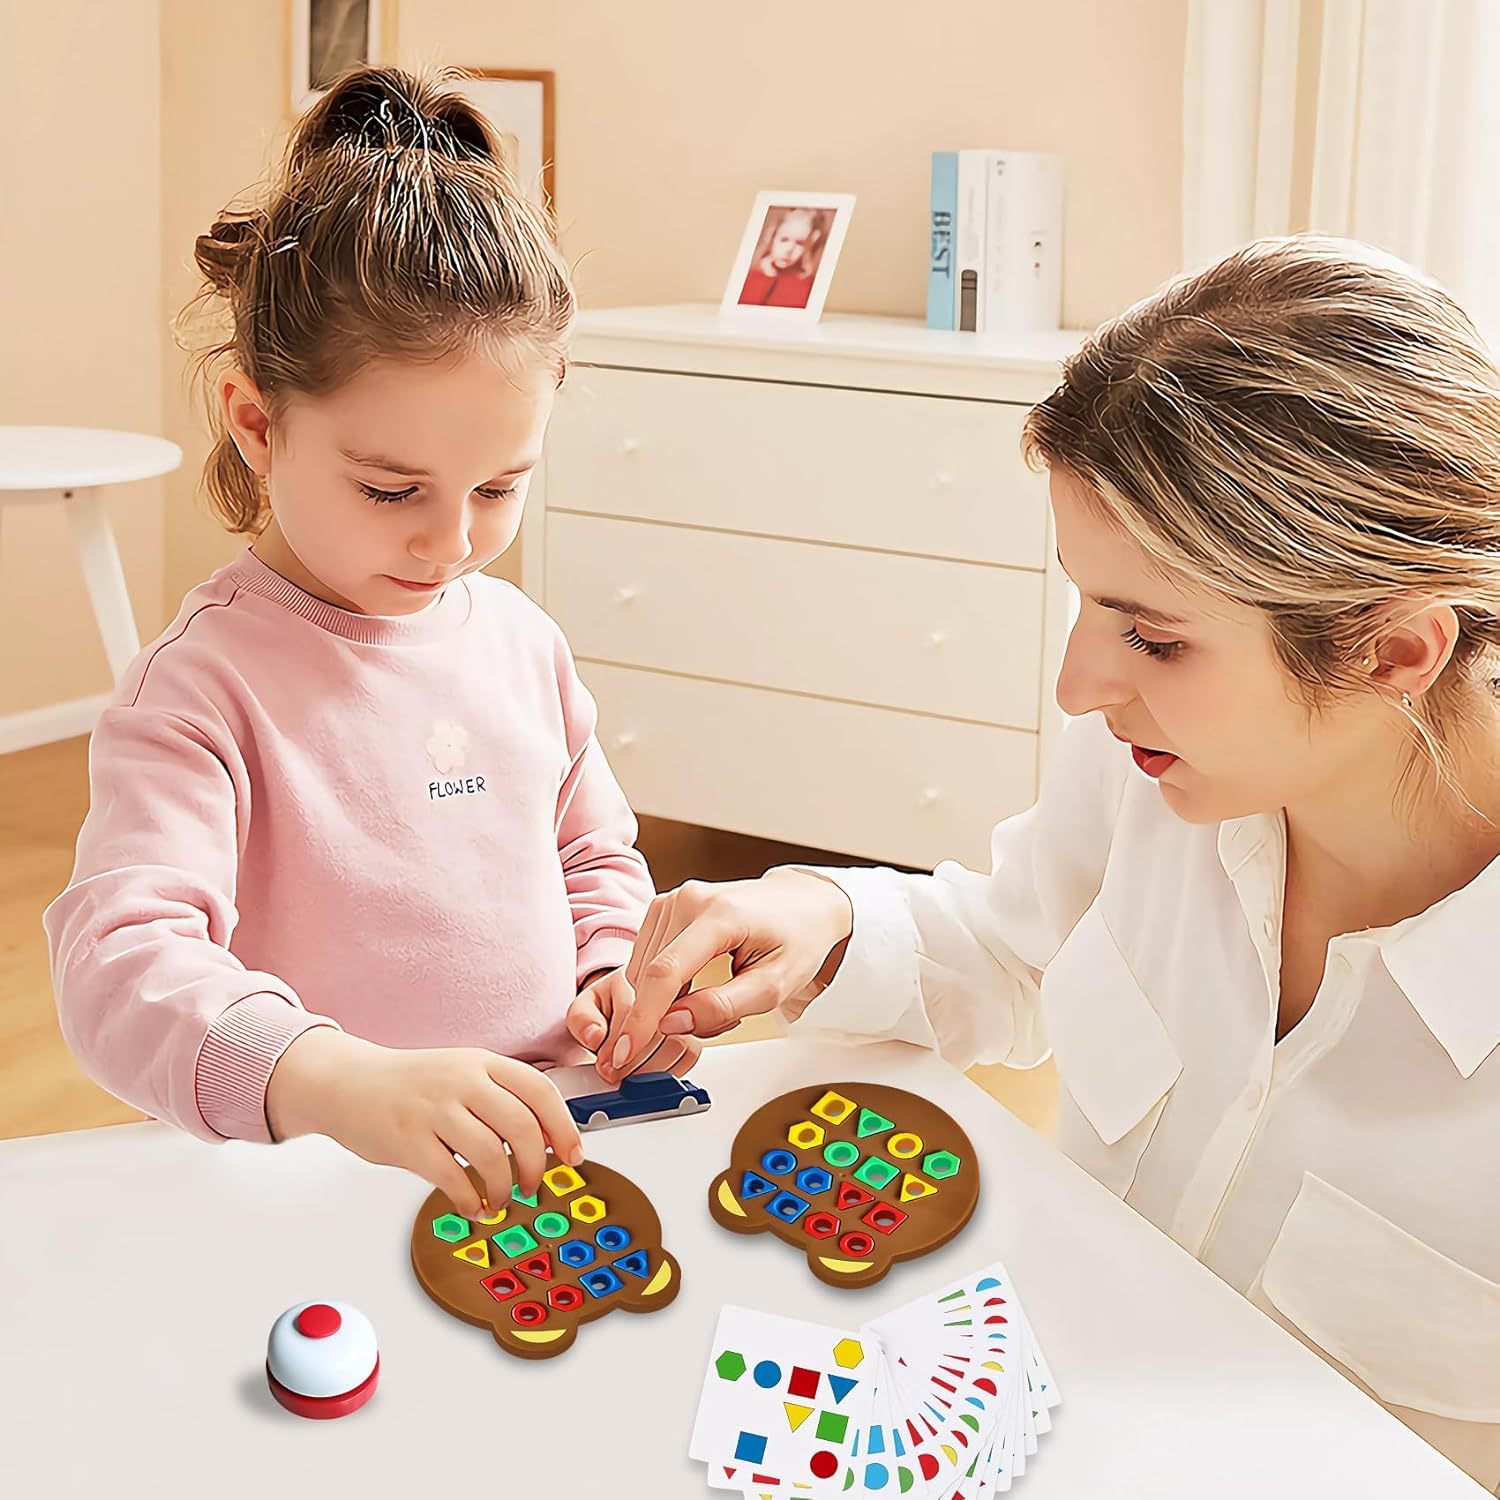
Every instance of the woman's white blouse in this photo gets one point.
(1346, 1179)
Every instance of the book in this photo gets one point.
(1021, 290)
(968, 266)
(943, 221)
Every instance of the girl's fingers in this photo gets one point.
(435, 1162)
(477, 1140)
(549, 1112)
(588, 1017)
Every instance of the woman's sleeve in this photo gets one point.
(954, 960)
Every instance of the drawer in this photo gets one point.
(875, 627)
(930, 475)
(895, 787)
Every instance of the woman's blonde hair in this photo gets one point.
(1311, 429)
(392, 227)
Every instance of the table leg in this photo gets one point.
(104, 576)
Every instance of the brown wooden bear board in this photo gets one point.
(914, 1212)
(551, 1309)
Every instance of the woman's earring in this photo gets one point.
(1406, 701)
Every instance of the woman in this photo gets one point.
(1252, 911)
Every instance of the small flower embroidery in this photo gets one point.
(447, 745)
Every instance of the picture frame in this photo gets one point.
(787, 256)
(328, 37)
(521, 104)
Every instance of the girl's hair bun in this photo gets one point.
(388, 109)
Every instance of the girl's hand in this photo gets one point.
(416, 1109)
(785, 935)
(597, 1021)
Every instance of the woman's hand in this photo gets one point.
(784, 933)
(417, 1109)
(598, 1016)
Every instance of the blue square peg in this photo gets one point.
(787, 1207)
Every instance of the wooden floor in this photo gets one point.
(43, 797)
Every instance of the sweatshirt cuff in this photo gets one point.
(607, 949)
(875, 994)
(238, 1057)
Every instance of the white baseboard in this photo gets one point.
(44, 726)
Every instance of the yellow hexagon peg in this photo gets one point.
(834, 1108)
(588, 1209)
(849, 1354)
(806, 1135)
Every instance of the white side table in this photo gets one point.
(71, 465)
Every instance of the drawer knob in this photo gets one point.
(626, 595)
(624, 740)
(937, 639)
(944, 480)
(629, 446)
(929, 796)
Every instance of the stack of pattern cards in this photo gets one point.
(946, 1397)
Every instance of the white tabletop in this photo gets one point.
(60, 458)
(140, 1272)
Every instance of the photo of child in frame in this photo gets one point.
(787, 255)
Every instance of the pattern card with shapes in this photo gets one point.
(857, 1176)
(782, 1399)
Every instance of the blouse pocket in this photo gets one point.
(1115, 1060)
(1419, 1330)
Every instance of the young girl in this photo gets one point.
(782, 274)
(1253, 913)
(354, 861)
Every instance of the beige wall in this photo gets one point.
(671, 114)
(80, 311)
(224, 111)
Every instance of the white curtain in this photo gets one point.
(1376, 119)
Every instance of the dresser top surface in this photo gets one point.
(848, 335)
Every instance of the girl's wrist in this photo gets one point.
(299, 1080)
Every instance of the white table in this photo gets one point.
(71, 465)
(140, 1272)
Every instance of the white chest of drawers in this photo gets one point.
(806, 574)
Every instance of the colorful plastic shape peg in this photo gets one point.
(814, 1180)
(517, 1240)
(588, 1209)
(913, 1188)
(576, 1253)
(451, 1228)
(551, 1226)
(851, 1195)
(941, 1164)
(561, 1181)
(871, 1123)
(806, 1135)
(841, 1153)
(876, 1173)
(834, 1108)
(904, 1145)
(612, 1237)
(503, 1285)
(476, 1252)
